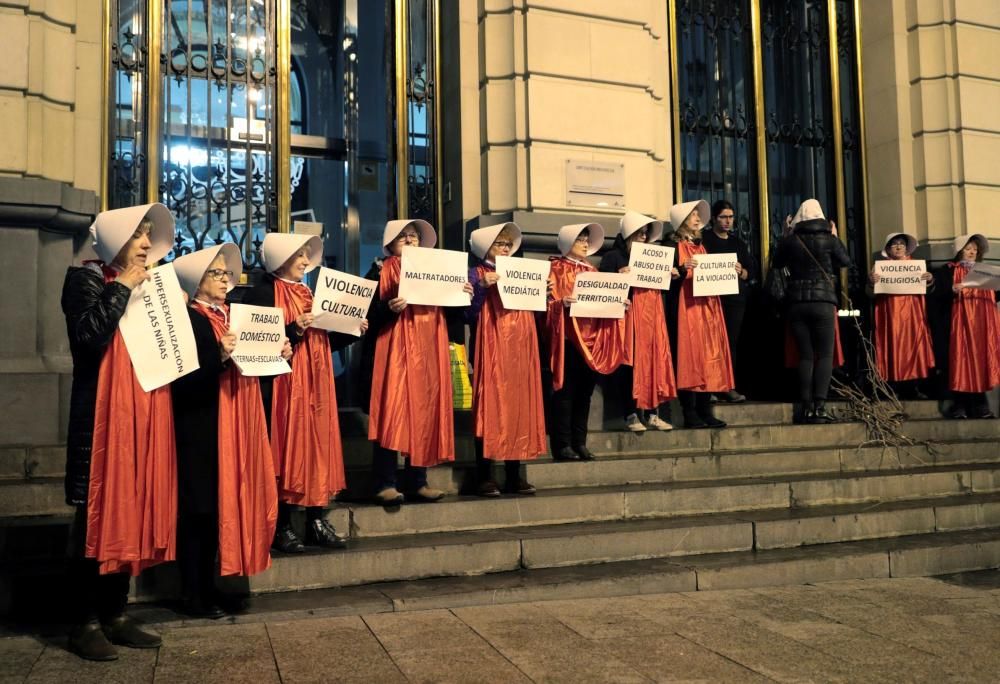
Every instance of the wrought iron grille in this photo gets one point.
(797, 109)
(716, 100)
(218, 85)
(127, 104)
(421, 95)
(853, 224)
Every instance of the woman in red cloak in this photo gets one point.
(229, 501)
(903, 351)
(301, 406)
(411, 397)
(507, 381)
(967, 331)
(120, 462)
(579, 348)
(647, 386)
(704, 366)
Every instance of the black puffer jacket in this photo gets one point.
(92, 310)
(807, 282)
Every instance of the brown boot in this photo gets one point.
(89, 642)
(429, 494)
(389, 496)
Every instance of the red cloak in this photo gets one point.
(652, 364)
(410, 408)
(601, 341)
(703, 361)
(305, 430)
(248, 497)
(903, 348)
(507, 382)
(132, 495)
(974, 345)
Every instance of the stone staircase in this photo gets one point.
(761, 502)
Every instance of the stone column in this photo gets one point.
(50, 100)
(932, 97)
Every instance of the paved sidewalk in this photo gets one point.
(913, 630)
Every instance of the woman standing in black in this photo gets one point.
(812, 252)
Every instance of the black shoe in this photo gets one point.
(820, 416)
(91, 643)
(124, 631)
(584, 453)
(713, 422)
(732, 397)
(199, 608)
(982, 412)
(956, 412)
(286, 541)
(320, 532)
(565, 454)
(918, 395)
(488, 489)
(693, 421)
(522, 487)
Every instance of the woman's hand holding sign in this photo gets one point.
(304, 321)
(490, 279)
(226, 345)
(133, 276)
(397, 304)
(286, 350)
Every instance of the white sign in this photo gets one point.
(260, 336)
(157, 330)
(716, 274)
(983, 276)
(341, 301)
(434, 276)
(649, 266)
(523, 283)
(900, 276)
(600, 295)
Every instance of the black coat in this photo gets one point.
(262, 294)
(807, 282)
(196, 423)
(93, 310)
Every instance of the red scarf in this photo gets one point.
(411, 408)
(602, 342)
(248, 498)
(974, 346)
(132, 495)
(507, 382)
(703, 361)
(305, 431)
(903, 348)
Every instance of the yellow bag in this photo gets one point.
(461, 388)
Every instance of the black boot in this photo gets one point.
(692, 420)
(703, 407)
(802, 413)
(820, 416)
(286, 541)
(125, 631)
(319, 532)
(89, 642)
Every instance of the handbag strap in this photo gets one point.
(816, 261)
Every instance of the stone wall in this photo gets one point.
(50, 112)
(932, 97)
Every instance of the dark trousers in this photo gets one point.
(96, 596)
(384, 470)
(695, 404)
(571, 404)
(484, 467)
(285, 514)
(812, 326)
(622, 380)
(733, 310)
(197, 551)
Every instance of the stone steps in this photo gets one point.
(416, 556)
(664, 500)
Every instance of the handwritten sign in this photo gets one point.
(983, 276)
(522, 283)
(900, 276)
(260, 335)
(716, 275)
(649, 266)
(434, 276)
(157, 330)
(341, 301)
(600, 295)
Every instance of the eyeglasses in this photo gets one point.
(500, 245)
(219, 274)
